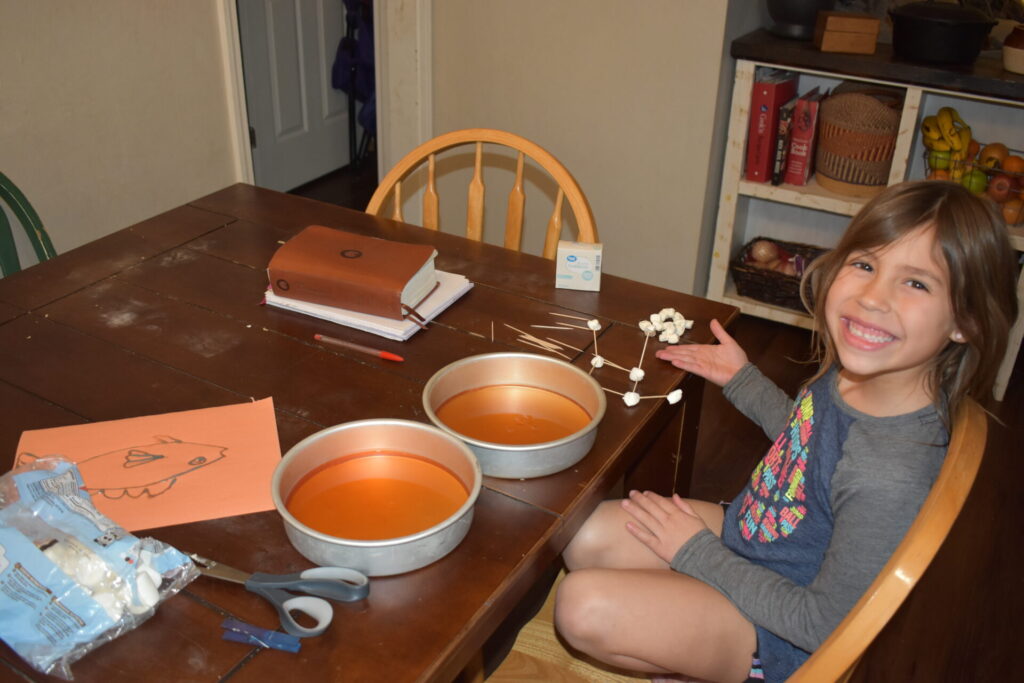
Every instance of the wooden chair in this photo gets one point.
(29, 219)
(838, 656)
(391, 185)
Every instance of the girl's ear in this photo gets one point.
(958, 337)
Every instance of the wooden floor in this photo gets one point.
(963, 621)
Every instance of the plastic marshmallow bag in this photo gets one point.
(70, 578)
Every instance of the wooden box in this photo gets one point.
(846, 32)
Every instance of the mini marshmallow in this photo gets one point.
(655, 318)
(674, 396)
(663, 337)
(597, 361)
(594, 324)
(689, 324)
(673, 338)
(631, 398)
(646, 325)
(666, 313)
(110, 604)
(636, 374)
(146, 591)
(659, 326)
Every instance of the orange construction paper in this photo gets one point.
(159, 470)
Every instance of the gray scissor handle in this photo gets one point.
(335, 583)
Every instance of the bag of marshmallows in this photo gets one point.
(71, 579)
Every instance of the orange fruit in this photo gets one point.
(973, 148)
(938, 174)
(1013, 164)
(1013, 212)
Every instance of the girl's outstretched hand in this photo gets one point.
(662, 524)
(714, 362)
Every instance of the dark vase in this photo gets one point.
(796, 18)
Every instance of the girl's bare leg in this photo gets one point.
(603, 541)
(655, 621)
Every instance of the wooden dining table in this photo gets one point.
(166, 315)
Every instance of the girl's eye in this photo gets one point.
(917, 284)
(862, 265)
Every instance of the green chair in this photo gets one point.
(29, 220)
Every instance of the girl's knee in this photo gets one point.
(593, 539)
(581, 608)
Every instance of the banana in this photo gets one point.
(965, 140)
(947, 127)
(956, 117)
(930, 128)
(939, 145)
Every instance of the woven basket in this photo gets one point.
(770, 286)
(856, 138)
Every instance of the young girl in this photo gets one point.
(912, 311)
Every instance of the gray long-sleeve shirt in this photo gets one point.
(820, 515)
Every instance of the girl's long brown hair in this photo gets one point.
(982, 269)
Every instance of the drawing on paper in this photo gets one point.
(149, 470)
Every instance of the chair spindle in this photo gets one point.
(397, 213)
(475, 205)
(516, 201)
(554, 227)
(430, 199)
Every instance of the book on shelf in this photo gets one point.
(341, 269)
(782, 141)
(802, 138)
(772, 88)
(450, 286)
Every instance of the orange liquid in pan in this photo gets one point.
(514, 415)
(375, 496)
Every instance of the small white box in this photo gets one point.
(578, 266)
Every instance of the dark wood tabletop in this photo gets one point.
(165, 315)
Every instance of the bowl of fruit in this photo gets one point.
(992, 170)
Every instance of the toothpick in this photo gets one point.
(563, 315)
(559, 341)
(476, 334)
(575, 327)
(641, 363)
(551, 327)
(614, 365)
(529, 343)
(492, 331)
(612, 391)
(541, 342)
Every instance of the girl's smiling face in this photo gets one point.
(889, 313)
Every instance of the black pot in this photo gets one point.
(939, 32)
(796, 18)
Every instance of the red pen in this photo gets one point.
(386, 355)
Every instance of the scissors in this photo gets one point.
(336, 583)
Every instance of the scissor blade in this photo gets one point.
(217, 570)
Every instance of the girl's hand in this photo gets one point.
(662, 524)
(717, 363)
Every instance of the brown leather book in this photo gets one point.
(326, 266)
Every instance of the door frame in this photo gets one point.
(404, 74)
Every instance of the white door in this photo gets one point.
(298, 122)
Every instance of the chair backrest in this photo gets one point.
(568, 188)
(837, 657)
(29, 219)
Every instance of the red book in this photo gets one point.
(802, 133)
(772, 89)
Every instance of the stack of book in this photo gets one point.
(379, 286)
(783, 128)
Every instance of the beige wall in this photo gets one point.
(112, 111)
(623, 93)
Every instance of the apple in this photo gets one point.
(1001, 188)
(938, 159)
(975, 181)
